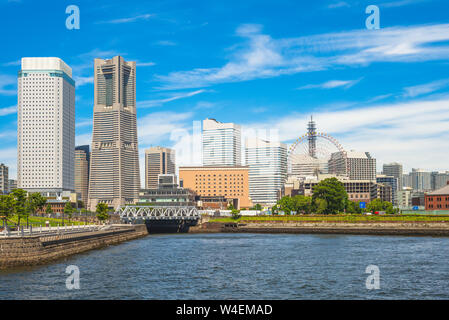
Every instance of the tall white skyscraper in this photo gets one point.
(267, 163)
(221, 143)
(45, 125)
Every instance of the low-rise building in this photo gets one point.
(438, 199)
(167, 193)
(230, 182)
(357, 190)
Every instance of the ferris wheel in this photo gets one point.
(311, 153)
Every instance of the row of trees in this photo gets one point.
(22, 204)
(329, 197)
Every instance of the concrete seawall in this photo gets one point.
(35, 250)
(440, 229)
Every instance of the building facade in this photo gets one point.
(221, 143)
(218, 181)
(82, 161)
(391, 181)
(405, 198)
(12, 185)
(353, 164)
(158, 160)
(4, 179)
(420, 180)
(45, 125)
(439, 180)
(394, 169)
(114, 170)
(438, 199)
(267, 163)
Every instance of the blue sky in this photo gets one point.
(266, 65)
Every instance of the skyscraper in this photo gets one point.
(45, 125)
(221, 143)
(267, 163)
(82, 160)
(421, 180)
(158, 160)
(114, 171)
(395, 170)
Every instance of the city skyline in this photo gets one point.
(391, 104)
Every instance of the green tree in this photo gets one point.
(379, 205)
(235, 214)
(102, 211)
(48, 210)
(302, 204)
(68, 210)
(257, 207)
(230, 206)
(286, 204)
(333, 192)
(20, 204)
(353, 207)
(6, 207)
(320, 206)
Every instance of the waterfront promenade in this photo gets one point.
(26, 248)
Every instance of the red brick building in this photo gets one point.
(438, 199)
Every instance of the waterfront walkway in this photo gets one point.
(50, 231)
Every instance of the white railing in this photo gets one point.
(44, 231)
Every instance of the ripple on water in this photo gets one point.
(244, 266)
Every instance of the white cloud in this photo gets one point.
(145, 64)
(331, 84)
(422, 89)
(8, 110)
(130, 19)
(80, 81)
(412, 133)
(159, 102)
(7, 85)
(339, 4)
(261, 56)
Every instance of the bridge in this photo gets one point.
(169, 218)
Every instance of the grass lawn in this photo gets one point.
(338, 217)
(37, 221)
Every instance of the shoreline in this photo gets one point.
(434, 229)
(37, 250)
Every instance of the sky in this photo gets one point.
(266, 65)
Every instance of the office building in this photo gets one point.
(82, 160)
(420, 180)
(353, 164)
(114, 169)
(394, 170)
(221, 143)
(391, 181)
(12, 185)
(218, 181)
(158, 160)
(439, 180)
(267, 163)
(45, 126)
(4, 179)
